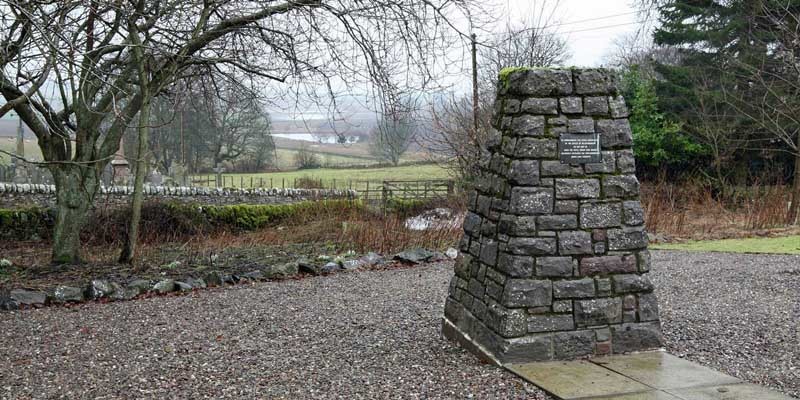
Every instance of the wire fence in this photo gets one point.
(368, 190)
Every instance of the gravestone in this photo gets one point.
(120, 167)
(554, 256)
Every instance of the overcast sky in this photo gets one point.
(590, 25)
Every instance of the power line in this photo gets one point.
(559, 33)
(590, 19)
(603, 27)
(572, 23)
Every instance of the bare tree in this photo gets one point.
(67, 66)
(304, 158)
(533, 43)
(143, 72)
(637, 50)
(170, 137)
(770, 95)
(393, 135)
(231, 117)
(715, 125)
(452, 138)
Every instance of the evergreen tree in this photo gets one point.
(659, 143)
(709, 36)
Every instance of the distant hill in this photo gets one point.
(323, 127)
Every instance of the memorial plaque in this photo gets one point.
(579, 148)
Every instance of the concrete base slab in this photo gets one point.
(729, 392)
(452, 333)
(576, 379)
(641, 376)
(664, 371)
(653, 395)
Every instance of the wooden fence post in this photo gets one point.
(384, 197)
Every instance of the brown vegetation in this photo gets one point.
(168, 236)
(695, 211)
(673, 213)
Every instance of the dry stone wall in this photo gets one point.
(20, 195)
(554, 256)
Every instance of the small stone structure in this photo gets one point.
(120, 167)
(554, 255)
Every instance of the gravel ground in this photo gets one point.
(738, 313)
(371, 335)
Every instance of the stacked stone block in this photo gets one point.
(554, 256)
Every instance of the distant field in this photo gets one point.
(343, 177)
(777, 245)
(286, 159)
(333, 154)
(9, 144)
(353, 150)
(329, 154)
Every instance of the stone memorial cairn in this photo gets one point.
(554, 255)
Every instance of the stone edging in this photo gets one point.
(103, 289)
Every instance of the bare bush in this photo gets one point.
(304, 158)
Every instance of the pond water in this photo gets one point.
(438, 218)
(307, 137)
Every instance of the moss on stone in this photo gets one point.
(507, 71)
(250, 217)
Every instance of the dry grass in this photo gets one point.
(676, 212)
(339, 228)
(357, 229)
(694, 211)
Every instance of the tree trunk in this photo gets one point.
(142, 151)
(794, 207)
(76, 187)
(129, 248)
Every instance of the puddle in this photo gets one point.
(438, 218)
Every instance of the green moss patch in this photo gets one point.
(26, 223)
(777, 245)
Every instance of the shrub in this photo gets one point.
(247, 217)
(304, 158)
(307, 182)
(406, 207)
(26, 223)
(171, 221)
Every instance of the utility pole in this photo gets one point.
(475, 82)
(20, 139)
(183, 142)
(20, 174)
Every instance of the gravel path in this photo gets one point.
(371, 335)
(738, 313)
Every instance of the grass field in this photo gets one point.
(8, 144)
(777, 245)
(329, 154)
(343, 177)
(286, 159)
